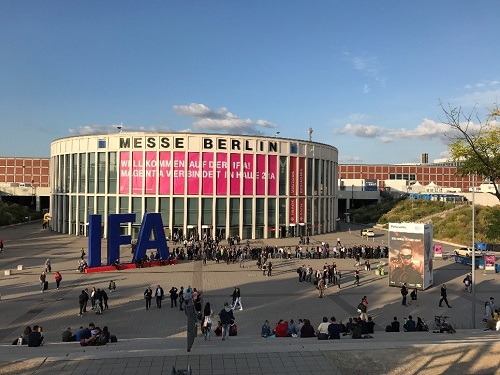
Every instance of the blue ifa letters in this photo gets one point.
(151, 223)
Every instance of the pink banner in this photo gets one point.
(293, 176)
(137, 172)
(260, 175)
(302, 177)
(124, 172)
(272, 168)
(221, 172)
(179, 172)
(208, 173)
(164, 172)
(150, 172)
(302, 210)
(193, 173)
(248, 174)
(235, 173)
(293, 210)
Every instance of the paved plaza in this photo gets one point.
(155, 340)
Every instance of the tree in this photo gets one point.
(475, 147)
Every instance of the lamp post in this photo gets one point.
(408, 189)
(32, 193)
(473, 252)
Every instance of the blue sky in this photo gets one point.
(367, 76)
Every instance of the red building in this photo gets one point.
(28, 171)
(442, 174)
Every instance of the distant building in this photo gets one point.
(25, 180)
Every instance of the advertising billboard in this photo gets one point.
(411, 255)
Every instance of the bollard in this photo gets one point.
(20, 267)
(6, 272)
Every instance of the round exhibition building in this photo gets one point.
(201, 184)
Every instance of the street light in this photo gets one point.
(473, 252)
(32, 193)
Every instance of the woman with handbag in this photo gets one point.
(207, 321)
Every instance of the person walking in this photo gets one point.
(86, 290)
(363, 309)
(226, 319)
(48, 266)
(444, 296)
(356, 276)
(159, 296)
(237, 299)
(339, 276)
(181, 298)
(173, 297)
(82, 300)
(207, 321)
(269, 269)
(148, 295)
(105, 299)
(404, 293)
(82, 254)
(58, 278)
(321, 287)
(42, 280)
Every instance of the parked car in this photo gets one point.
(368, 233)
(467, 252)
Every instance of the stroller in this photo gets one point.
(441, 325)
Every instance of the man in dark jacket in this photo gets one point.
(226, 319)
(34, 337)
(82, 300)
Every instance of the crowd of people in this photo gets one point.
(328, 329)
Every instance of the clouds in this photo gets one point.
(369, 66)
(108, 129)
(220, 120)
(480, 94)
(426, 130)
(204, 119)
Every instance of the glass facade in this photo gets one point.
(269, 188)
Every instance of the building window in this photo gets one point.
(192, 211)
(293, 148)
(234, 212)
(178, 211)
(283, 178)
(101, 172)
(220, 212)
(91, 173)
(206, 211)
(101, 143)
(112, 173)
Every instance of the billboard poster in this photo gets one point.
(248, 175)
(235, 174)
(302, 210)
(410, 255)
(179, 172)
(371, 185)
(221, 173)
(302, 176)
(489, 263)
(293, 211)
(150, 172)
(438, 251)
(208, 174)
(293, 176)
(193, 173)
(164, 172)
(137, 172)
(260, 175)
(272, 169)
(124, 172)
